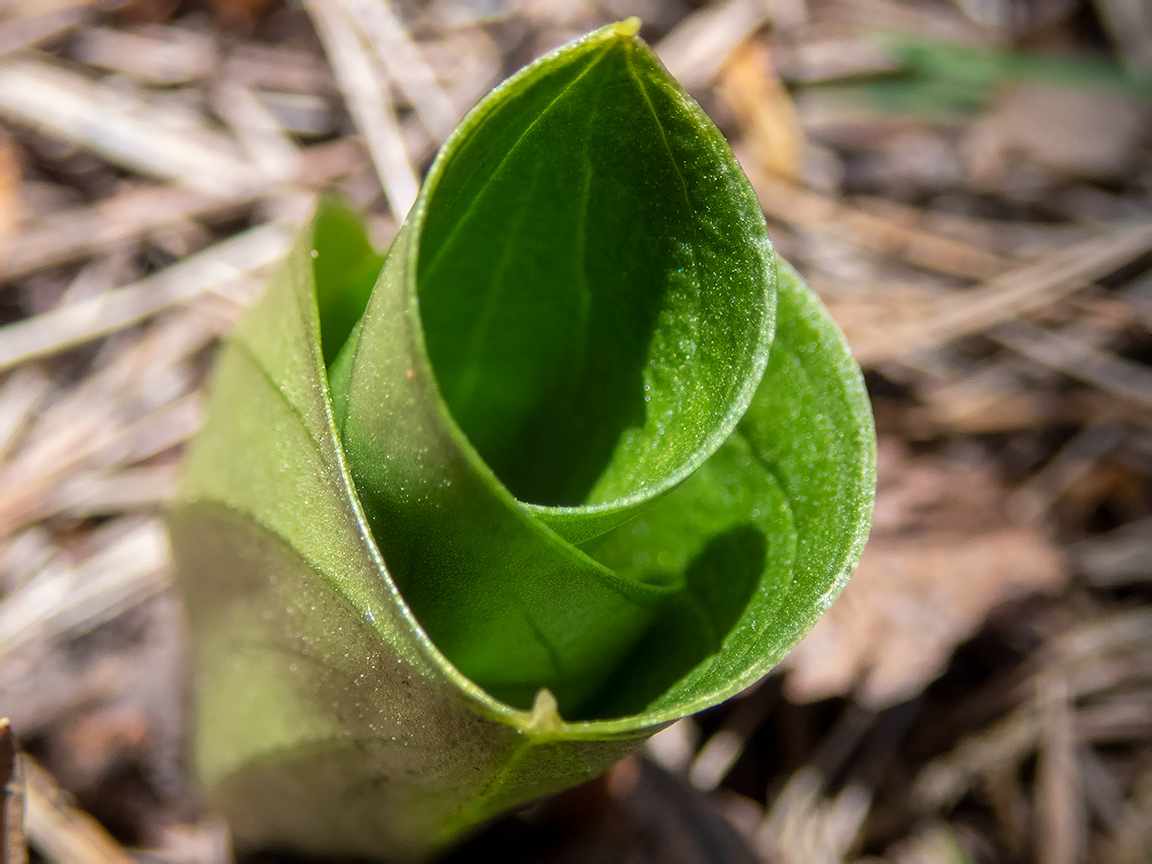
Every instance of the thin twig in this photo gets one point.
(59, 831)
(12, 848)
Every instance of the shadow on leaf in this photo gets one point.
(719, 582)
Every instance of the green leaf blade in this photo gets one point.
(799, 473)
(376, 599)
(356, 746)
(592, 266)
(585, 297)
(327, 720)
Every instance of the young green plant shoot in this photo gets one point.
(470, 521)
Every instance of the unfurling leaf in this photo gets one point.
(469, 522)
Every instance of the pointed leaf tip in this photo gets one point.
(628, 27)
(544, 718)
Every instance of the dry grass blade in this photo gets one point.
(25, 32)
(763, 106)
(812, 211)
(1078, 358)
(60, 832)
(698, 47)
(1123, 556)
(143, 210)
(91, 229)
(286, 69)
(118, 413)
(20, 396)
(1005, 297)
(943, 781)
(130, 568)
(27, 499)
(1075, 460)
(23, 555)
(1121, 718)
(145, 132)
(1131, 842)
(139, 136)
(1129, 22)
(28, 27)
(368, 102)
(1060, 836)
(275, 156)
(215, 269)
(12, 848)
(826, 58)
(100, 493)
(405, 65)
(674, 747)
(160, 55)
(12, 209)
(1130, 630)
(720, 752)
(803, 827)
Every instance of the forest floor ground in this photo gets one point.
(967, 184)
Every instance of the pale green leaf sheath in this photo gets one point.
(576, 459)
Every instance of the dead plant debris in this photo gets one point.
(967, 184)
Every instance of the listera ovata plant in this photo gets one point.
(469, 521)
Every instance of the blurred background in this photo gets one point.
(966, 183)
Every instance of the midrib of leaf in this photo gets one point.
(584, 294)
(558, 665)
(280, 394)
(475, 811)
(595, 498)
(667, 146)
(464, 389)
(850, 389)
(426, 271)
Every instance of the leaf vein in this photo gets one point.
(470, 211)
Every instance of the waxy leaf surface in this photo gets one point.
(578, 458)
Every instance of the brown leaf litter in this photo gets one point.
(943, 554)
(990, 273)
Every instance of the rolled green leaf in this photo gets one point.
(470, 521)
